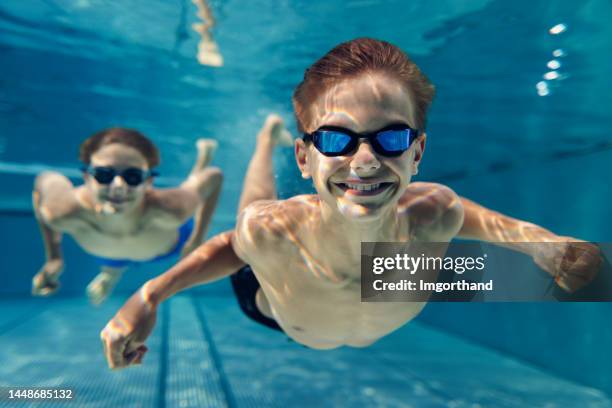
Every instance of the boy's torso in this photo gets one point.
(312, 279)
(144, 238)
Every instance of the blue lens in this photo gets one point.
(331, 141)
(103, 175)
(394, 140)
(133, 177)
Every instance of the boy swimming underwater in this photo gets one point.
(116, 215)
(362, 110)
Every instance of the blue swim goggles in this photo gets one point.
(133, 176)
(390, 141)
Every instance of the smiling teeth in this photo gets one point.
(363, 187)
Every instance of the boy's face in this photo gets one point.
(363, 184)
(117, 196)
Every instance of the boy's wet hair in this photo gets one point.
(124, 136)
(355, 57)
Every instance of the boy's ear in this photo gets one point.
(85, 170)
(301, 158)
(419, 149)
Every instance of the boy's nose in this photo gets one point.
(365, 159)
(118, 183)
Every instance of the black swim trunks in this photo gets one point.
(245, 286)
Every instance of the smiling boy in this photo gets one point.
(116, 215)
(361, 109)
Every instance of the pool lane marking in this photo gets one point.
(163, 357)
(216, 358)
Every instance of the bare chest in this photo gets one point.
(317, 301)
(145, 242)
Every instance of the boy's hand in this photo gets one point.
(124, 335)
(573, 263)
(46, 281)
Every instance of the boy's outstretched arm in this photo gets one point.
(124, 335)
(46, 281)
(482, 224)
(572, 262)
(54, 207)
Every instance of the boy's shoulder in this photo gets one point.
(168, 208)
(435, 210)
(269, 223)
(56, 200)
(277, 215)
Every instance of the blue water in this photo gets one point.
(536, 152)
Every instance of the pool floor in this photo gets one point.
(205, 353)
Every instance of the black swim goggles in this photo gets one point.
(390, 141)
(133, 176)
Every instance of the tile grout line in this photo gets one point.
(163, 356)
(510, 356)
(11, 324)
(225, 385)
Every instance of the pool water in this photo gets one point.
(520, 124)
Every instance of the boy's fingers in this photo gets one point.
(113, 350)
(581, 271)
(134, 352)
(138, 360)
(116, 355)
(43, 291)
(140, 352)
(562, 284)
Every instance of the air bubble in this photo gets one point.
(551, 75)
(558, 29)
(559, 53)
(542, 88)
